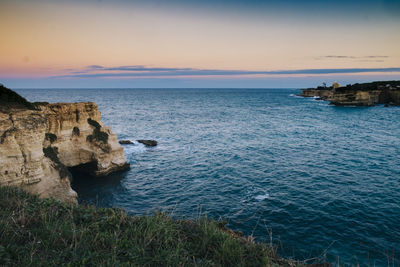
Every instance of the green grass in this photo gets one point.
(46, 232)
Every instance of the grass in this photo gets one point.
(46, 232)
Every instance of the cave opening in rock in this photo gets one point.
(87, 185)
(86, 169)
(81, 175)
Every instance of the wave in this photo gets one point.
(295, 96)
(262, 197)
(135, 148)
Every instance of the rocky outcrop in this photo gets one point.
(37, 147)
(366, 94)
(148, 142)
(125, 142)
(81, 139)
(141, 141)
(320, 93)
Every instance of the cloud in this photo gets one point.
(376, 57)
(351, 57)
(369, 60)
(94, 67)
(338, 57)
(137, 71)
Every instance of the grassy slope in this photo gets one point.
(9, 98)
(46, 232)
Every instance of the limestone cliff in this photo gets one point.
(38, 145)
(321, 93)
(366, 94)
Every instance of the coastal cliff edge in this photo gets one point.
(40, 142)
(364, 94)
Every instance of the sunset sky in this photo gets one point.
(261, 44)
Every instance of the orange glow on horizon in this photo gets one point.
(44, 40)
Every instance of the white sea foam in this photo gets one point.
(262, 197)
(295, 96)
(134, 148)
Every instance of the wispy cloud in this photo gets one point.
(370, 58)
(336, 56)
(96, 71)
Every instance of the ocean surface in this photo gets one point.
(323, 181)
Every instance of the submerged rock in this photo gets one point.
(125, 142)
(148, 142)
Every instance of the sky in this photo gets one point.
(196, 44)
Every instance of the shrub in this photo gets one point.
(94, 123)
(52, 154)
(97, 135)
(51, 137)
(76, 131)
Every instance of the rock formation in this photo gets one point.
(142, 141)
(365, 94)
(125, 142)
(38, 146)
(148, 142)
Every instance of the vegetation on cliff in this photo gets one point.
(97, 133)
(52, 154)
(46, 232)
(370, 86)
(377, 85)
(358, 94)
(10, 99)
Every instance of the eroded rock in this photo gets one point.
(38, 145)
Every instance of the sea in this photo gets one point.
(318, 181)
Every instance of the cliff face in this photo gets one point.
(82, 139)
(38, 146)
(355, 98)
(368, 94)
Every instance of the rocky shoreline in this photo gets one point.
(41, 143)
(363, 94)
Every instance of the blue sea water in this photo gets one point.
(322, 180)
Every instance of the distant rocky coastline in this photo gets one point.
(42, 143)
(359, 94)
